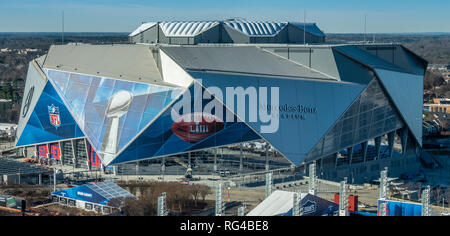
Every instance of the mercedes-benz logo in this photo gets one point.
(27, 104)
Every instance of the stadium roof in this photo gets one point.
(367, 59)
(253, 28)
(223, 60)
(186, 29)
(142, 28)
(126, 62)
(310, 27)
(249, 28)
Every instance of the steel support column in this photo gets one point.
(350, 155)
(87, 154)
(267, 157)
(364, 146)
(241, 166)
(61, 152)
(391, 141)
(404, 137)
(377, 147)
(215, 159)
(74, 154)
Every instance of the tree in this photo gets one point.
(204, 191)
(447, 197)
(438, 194)
(195, 191)
(419, 190)
(433, 80)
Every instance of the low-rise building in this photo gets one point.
(439, 105)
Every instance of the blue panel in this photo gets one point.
(50, 121)
(351, 71)
(111, 112)
(164, 137)
(401, 208)
(406, 92)
(367, 58)
(308, 108)
(83, 193)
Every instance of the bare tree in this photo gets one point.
(419, 190)
(438, 194)
(447, 197)
(195, 191)
(204, 191)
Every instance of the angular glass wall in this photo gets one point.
(49, 121)
(371, 115)
(110, 112)
(166, 137)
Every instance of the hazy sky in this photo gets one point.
(333, 16)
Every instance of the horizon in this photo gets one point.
(330, 33)
(333, 17)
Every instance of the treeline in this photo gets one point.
(14, 66)
(433, 48)
(42, 41)
(12, 90)
(435, 83)
(181, 198)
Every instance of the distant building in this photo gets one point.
(440, 105)
(9, 129)
(5, 50)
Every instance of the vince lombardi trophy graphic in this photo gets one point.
(118, 106)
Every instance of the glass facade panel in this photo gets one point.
(164, 137)
(371, 115)
(110, 112)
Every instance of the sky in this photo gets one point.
(332, 16)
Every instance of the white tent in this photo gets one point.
(280, 203)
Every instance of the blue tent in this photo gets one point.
(98, 193)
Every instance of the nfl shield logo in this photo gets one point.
(54, 115)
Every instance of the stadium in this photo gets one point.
(352, 109)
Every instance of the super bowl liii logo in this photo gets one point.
(291, 112)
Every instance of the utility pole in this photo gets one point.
(163, 168)
(269, 183)
(426, 210)
(54, 179)
(296, 207)
(343, 198)
(162, 205)
(384, 209)
(365, 27)
(304, 27)
(267, 157)
(219, 201)
(384, 184)
(312, 179)
(241, 210)
(62, 35)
